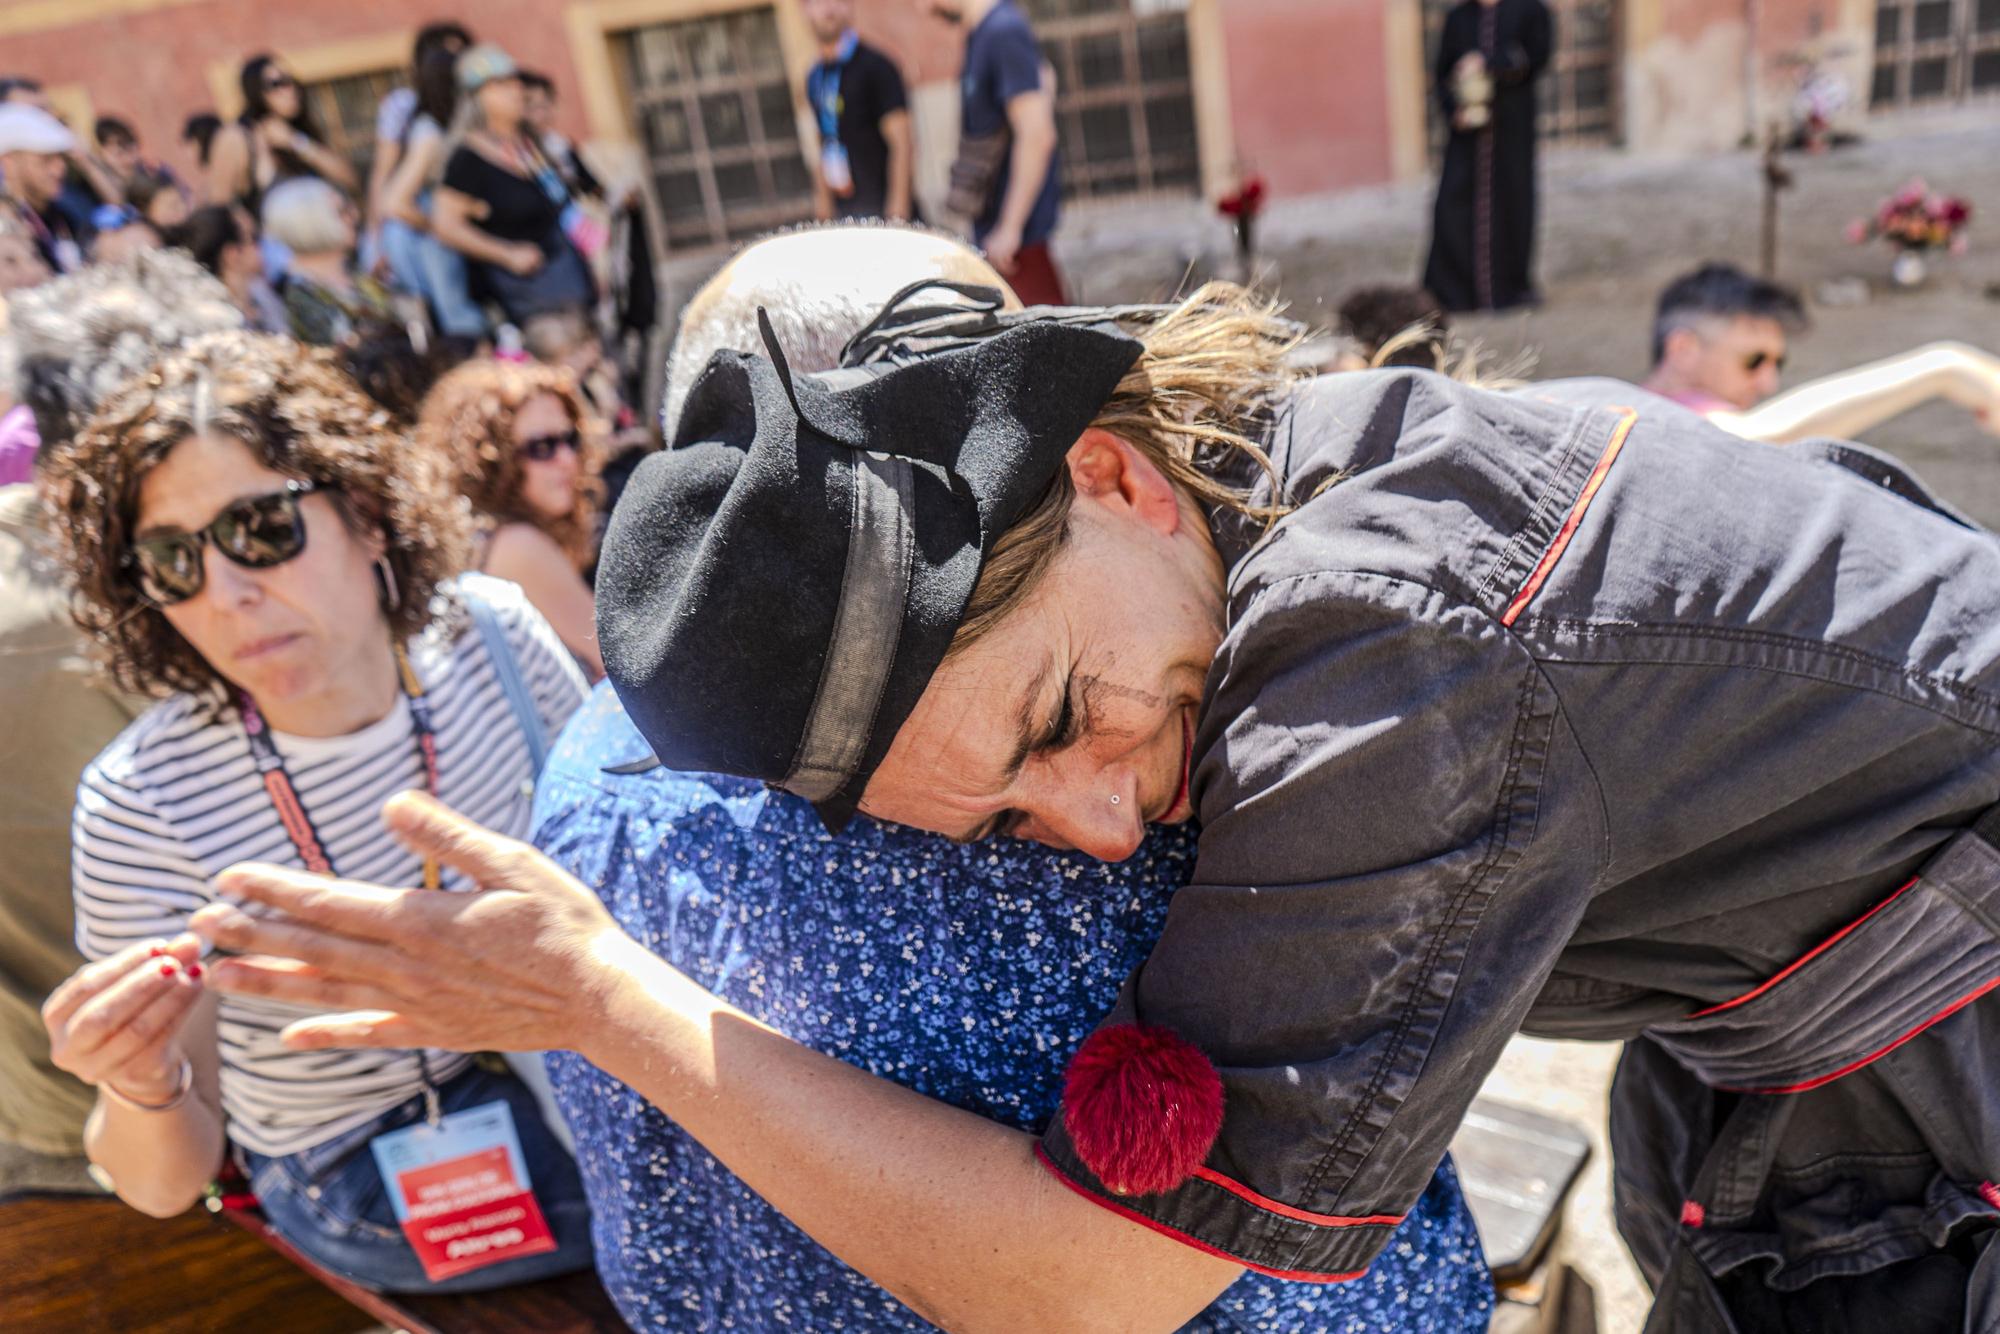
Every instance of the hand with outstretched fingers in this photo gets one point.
(519, 964)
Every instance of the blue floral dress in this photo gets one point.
(967, 973)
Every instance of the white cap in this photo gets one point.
(27, 129)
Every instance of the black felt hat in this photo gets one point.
(776, 591)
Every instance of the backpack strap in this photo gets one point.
(501, 654)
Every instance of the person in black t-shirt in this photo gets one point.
(865, 161)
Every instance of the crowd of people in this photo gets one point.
(811, 790)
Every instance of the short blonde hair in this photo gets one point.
(1196, 404)
(303, 214)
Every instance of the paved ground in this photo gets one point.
(1616, 229)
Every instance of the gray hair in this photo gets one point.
(72, 340)
(303, 214)
(819, 284)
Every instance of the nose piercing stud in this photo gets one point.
(1114, 798)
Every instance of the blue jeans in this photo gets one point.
(331, 1203)
(427, 266)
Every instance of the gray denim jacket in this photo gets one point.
(1560, 710)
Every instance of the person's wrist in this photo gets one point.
(157, 1089)
(616, 969)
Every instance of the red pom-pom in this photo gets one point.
(1142, 1107)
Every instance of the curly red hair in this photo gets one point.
(468, 418)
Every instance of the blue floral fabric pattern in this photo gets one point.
(966, 973)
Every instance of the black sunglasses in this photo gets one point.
(256, 533)
(1755, 361)
(542, 448)
(274, 82)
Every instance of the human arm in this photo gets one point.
(125, 1020)
(126, 1024)
(890, 104)
(525, 555)
(452, 218)
(104, 183)
(1848, 403)
(902, 165)
(1029, 93)
(397, 197)
(325, 163)
(822, 196)
(950, 1212)
(1523, 59)
(1398, 838)
(388, 156)
(228, 166)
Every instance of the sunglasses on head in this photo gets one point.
(542, 448)
(256, 533)
(1756, 361)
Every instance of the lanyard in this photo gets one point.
(299, 826)
(285, 794)
(823, 84)
(534, 164)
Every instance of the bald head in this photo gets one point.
(819, 285)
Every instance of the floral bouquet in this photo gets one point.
(1914, 219)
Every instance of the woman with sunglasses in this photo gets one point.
(526, 449)
(273, 140)
(248, 542)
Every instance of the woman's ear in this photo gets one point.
(1110, 471)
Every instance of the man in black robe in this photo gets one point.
(1483, 228)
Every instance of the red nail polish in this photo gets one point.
(194, 970)
(167, 968)
(156, 951)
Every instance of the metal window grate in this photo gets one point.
(1935, 53)
(1124, 95)
(344, 111)
(713, 109)
(1577, 95)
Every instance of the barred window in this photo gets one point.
(1935, 53)
(1124, 95)
(344, 111)
(713, 109)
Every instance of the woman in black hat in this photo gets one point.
(1557, 710)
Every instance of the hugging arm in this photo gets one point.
(1401, 843)
(949, 1212)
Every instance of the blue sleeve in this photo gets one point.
(1017, 63)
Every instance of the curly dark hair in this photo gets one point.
(468, 419)
(298, 414)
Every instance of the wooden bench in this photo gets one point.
(572, 1304)
(72, 1262)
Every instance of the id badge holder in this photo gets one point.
(833, 168)
(460, 1189)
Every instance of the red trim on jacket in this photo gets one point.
(1808, 956)
(1877, 1055)
(1282, 1209)
(1539, 575)
(1295, 1275)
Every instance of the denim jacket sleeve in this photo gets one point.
(1381, 774)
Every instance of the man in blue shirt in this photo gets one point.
(1006, 174)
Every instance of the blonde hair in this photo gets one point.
(1195, 404)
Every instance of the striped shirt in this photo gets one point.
(177, 798)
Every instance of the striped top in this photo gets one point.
(177, 798)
